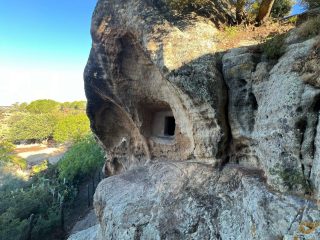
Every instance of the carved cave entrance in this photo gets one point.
(158, 121)
(163, 124)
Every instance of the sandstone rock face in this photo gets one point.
(274, 116)
(200, 146)
(141, 68)
(193, 201)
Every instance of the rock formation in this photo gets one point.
(200, 144)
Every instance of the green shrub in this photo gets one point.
(309, 28)
(7, 156)
(274, 47)
(41, 197)
(81, 160)
(293, 20)
(12, 228)
(39, 167)
(46, 223)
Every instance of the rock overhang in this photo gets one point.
(140, 62)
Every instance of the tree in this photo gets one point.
(43, 106)
(30, 126)
(75, 105)
(71, 128)
(281, 8)
(264, 11)
(240, 10)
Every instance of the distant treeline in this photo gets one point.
(44, 120)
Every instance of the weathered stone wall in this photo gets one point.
(246, 147)
(274, 116)
(140, 64)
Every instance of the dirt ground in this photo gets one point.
(239, 36)
(36, 153)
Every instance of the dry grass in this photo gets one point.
(309, 28)
(238, 36)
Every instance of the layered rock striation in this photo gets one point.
(200, 144)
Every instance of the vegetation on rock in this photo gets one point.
(309, 28)
(274, 47)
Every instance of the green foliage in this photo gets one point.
(6, 148)
(76, 105)
(43, 106)
(293, 20)
(231, 31)
(281, 8)
(71, 128)
(41, 118)
(310, 28)
(18, 107)
(32, 126)
(40, 167)
(81, 160)
(274, 47)
(310, 4)
(20, 162)
(7, 156)
(42, 197)
(12, 228)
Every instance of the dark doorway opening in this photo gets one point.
(169, 126)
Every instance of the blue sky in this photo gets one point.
(44, 46)
(297, 8)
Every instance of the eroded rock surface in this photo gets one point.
(194, 201)
(201, 147)
(274, 116)
(140, 70)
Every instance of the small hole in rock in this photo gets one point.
(169, 126)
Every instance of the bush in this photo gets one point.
(309, 28)
(42, 197)
(81, 160)
(274, 47)
(40, 167)
(7, 156)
